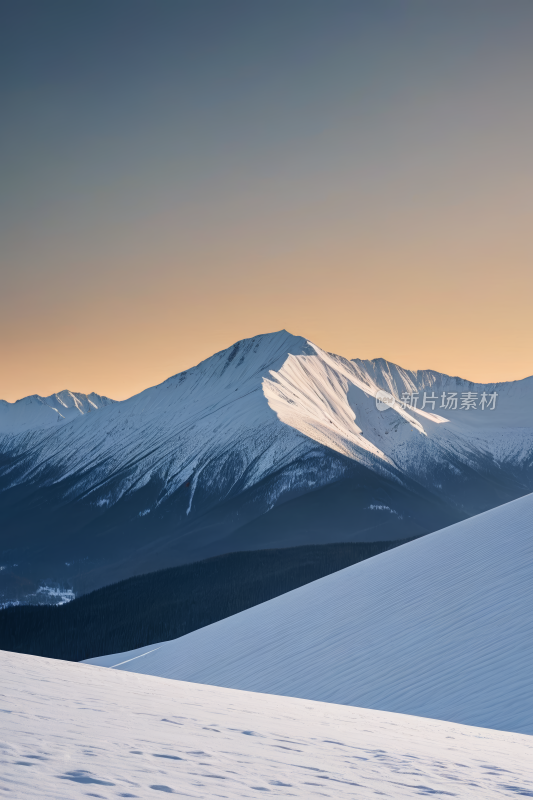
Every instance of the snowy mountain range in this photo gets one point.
(439, 627)
(272, 442)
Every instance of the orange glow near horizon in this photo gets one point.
(361, 177)
(435, 279)
(470, 319)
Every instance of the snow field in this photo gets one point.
(74, 731)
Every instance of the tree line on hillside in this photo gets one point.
(172, 602)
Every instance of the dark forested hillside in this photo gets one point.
(172, 602)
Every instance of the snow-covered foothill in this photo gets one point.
(440, 627)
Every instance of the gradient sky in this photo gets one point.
(176, 175)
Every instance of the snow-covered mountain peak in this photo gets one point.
(181, 431)
(245, 359)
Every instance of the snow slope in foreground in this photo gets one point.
(73, 731)
(440, 627)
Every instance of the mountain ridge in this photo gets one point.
(36, 411)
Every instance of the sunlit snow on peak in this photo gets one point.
(330, 400)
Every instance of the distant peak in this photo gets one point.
(36, 411)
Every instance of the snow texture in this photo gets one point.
(72, 731)
(440, 627)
